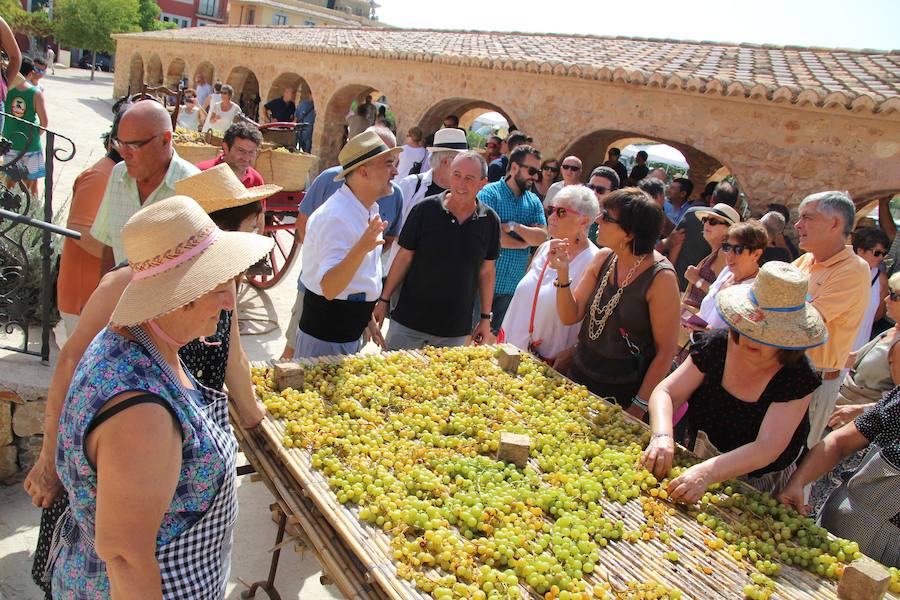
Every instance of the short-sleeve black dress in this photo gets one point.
(731, 423)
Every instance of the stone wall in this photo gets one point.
(778, 151)
(21, 435)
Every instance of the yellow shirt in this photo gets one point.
(839, 288)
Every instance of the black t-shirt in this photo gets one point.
(731, 423)
(433, 190)
(775, 253)
(638, 172)
(439, 291)
(281, 111)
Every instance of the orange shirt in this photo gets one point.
(839, 288)
(79, 271)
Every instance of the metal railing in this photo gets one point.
(17, 218)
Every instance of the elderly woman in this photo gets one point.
(223, 113)
(748, 388)
(626, 302)
(716, 221)
(145, 451)
(742, 250)
(532, 320)
(864, 507)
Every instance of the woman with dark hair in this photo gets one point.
(747, 387)
(872, 244)
(627, 300)
(716, 221)
(549, 176)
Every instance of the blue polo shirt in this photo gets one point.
(525, 209)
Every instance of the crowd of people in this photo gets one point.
(773, 366)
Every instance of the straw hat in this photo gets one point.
(178, 254)
(219, 188)
(449, 138)
(720, 211)
(773, 310)
(360, 150)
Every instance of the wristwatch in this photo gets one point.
(487, 316)
(510, 226)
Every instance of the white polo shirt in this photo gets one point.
(331, 232)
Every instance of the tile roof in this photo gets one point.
(857, 80)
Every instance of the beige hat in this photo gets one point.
(773, 310)
(449, 138)
(720, 211)
(360, 150)
(219, 188)
(178, 254)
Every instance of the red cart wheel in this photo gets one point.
(281, 254)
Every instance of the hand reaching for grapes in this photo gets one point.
(792, 496)
(690, 485)
(658, 456)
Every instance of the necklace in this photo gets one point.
(599, 314)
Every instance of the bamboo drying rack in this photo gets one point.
(357, 557)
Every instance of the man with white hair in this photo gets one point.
(839, 289)
(571, 175)
(774, 224)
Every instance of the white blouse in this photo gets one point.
(708, 311)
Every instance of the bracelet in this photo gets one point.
(561, 285)
(659, 435)
(487, 316)
(639, 402)
(383, 300)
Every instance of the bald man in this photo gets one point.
(147, 174)
(571, 175)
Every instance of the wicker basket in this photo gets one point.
(287, 169)
(195, 153)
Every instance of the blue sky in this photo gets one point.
(832, 23)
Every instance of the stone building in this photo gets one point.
(785, 121)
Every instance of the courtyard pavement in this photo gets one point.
(80, 109)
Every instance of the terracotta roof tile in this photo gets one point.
(818, 71)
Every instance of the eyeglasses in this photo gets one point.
(549, 168)
(894, 296)
(600, 189)
(712, 221)
(879, 253)
(492, 145)
(736, 248)
(606, 218)
(39, 70)
(575, 168)
(120, 145)
(531, 170)
(561, 211)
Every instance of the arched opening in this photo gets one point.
(154, 71)
(332, 128)
(292, 80)
(175, 73)
(594, 147)
(136, 73)
(867, 206)
(246, 90)
(207, 70)
(468, 110)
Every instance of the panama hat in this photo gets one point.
(773, 310)
(219, 188)
(178, 254)
(720, 211)
(361, 149)
(449, 138)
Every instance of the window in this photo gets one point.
(210, 8)
(309, 23)
(250, 15)
(279, 19)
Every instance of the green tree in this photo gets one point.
(91, 23)
(148, 17)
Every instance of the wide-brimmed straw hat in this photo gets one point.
(773, 310)
(720, 211)
(178, 254)
(361, 149)
(449, 138)
(219, 188)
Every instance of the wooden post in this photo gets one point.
(864, 579)
(288, 375)
(509, 358)
(514, 448)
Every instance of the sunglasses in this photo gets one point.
(894, 296)
(606, 218)
(39, 70)
(736, 248)
(571, 167)
(551, 169)
(600, 189)
(879, 253)
(530, 170)
(120, 145)
(561, 211)
(492, 145)
(712, 221)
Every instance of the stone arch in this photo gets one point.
(289, 79)
(329, 139)
(174, 73)
(207, 69)
(154, 71)
(432, 119)
(246, 90)
(593, 147)
(136, 73)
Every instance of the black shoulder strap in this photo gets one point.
(418, 183)
(125, 404)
